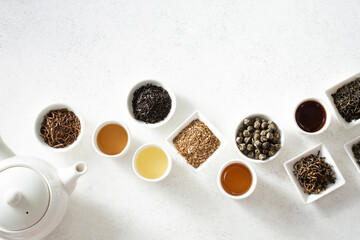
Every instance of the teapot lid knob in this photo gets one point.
(24, 198)
(13, 198)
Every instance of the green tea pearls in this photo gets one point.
(258, 138)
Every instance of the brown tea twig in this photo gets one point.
(60, 128)
(314, 174)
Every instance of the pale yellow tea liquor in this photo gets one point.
(152, 163)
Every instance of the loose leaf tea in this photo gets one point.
(314, 174)
(151, 104)
(258, 138)
(356, 151)
(347, 100)
(196, 143)
(60, 128)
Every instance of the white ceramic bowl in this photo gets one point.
(167, 156)
(327, 111)
(39, 119)
(289, 167)
(333, 90)
(157, 83)
(348, 149)
(96, 132)
(282, 139)
(254, 179)
(201, 117)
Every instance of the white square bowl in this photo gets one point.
(333, 90)
(201, 117)
(289, 167)
(348, 149)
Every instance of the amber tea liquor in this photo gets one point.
(237, 179)
(111, 139)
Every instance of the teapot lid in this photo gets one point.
(24, 198)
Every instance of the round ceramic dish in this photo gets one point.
(327, 111)
(96, 132)
(254, 179)
(39, 119)
(282, 139)
(166, 173)
(157, 83)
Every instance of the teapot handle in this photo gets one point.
(5, 151)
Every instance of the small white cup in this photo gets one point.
(40, 119)
(327, 111)
(166, 173)
(96, 132)
(156, 83)
(253, 184)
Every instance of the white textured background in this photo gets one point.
(227, 59)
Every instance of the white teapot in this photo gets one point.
(33, 195)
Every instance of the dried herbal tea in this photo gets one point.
(258, 138)
(151, 103)
(196, 143)
(356, 151)
(314, 173)
(60, 128)
(347, 100)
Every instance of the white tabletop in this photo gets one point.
(226, 59)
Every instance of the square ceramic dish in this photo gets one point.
(201, 117)
(348, 149)
(324, 153)
(333, 90)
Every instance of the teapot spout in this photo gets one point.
(5, 151)
(70, 175)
